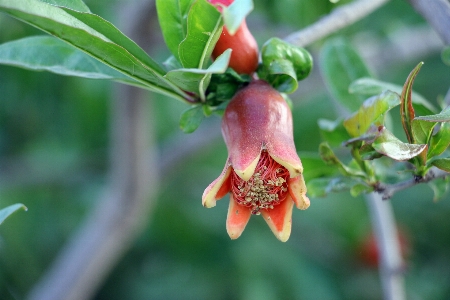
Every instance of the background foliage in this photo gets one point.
(54, 157)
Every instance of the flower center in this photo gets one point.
(265, 189)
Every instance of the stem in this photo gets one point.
(386, 191)
(341, 17)
(391, 263)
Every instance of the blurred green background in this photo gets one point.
(54, 158)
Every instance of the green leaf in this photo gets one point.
(191, 118)
(387, 144)
(7, 211)
(371, 86)
(96, 37)
(422, 131)
(283, 65)
(446, 55)
(440, 141)
(234, 14)
(442, 163)
(222, 87)
(443, 116)
(197, 80)
(330, 158)
(172, 15)
(72, 4)
(422, 127)
(372, 112)
(45, 53)
(333, 132)
(204, 26)
(340, 65)
(407, 113)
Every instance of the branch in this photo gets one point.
(341, 17)
(391, 262)
(386, 191)
(437, 14)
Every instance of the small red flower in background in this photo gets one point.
(263, 172)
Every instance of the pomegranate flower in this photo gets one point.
(263, 172)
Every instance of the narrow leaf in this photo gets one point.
(440, 141)
(72, 4)
(443, 116)
(340, 65)
(7, 211)
(46, 53)
(406, 109)
(64, 24)
(422, 130)
(172, 15)
(387, 144)
(234, 14)
(442, 163)
(204, 26)
(372, 112)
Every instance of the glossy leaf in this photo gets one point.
(172, 16)
(191, 119)
(45, 53)
(440, 141)
(204, 26)
(387, 144)
(371, 86)
(442, 163)
(372, 112)
(446, 55)
(315, 167)
(340, 65)
(197, 80)
(234, 14)
(7, 211)
(72, 4)
(283, 65)
(330, 158)
(407, 113)
(422, 131)
(96, 37)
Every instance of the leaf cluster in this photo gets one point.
(378, 160)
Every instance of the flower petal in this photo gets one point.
(237, 218)
(218, 188)
(279, 219)
(297, 190)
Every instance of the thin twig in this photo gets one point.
(386, 191)
(338, 19)
(391, 262)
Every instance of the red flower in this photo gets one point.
(263, 172)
